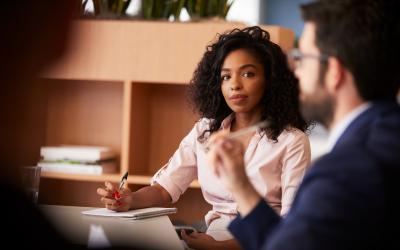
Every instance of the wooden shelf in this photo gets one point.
(132, 179)
(144, 51)
(81, 177)
(122, 84)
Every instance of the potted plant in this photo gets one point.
(201, 9)
(108, 8)
(162, 9)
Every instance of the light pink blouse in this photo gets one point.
(275, 169)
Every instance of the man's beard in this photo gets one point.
(318, 106)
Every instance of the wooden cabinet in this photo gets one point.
(122, 84)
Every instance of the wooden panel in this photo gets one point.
(144, 51)
(170, 121)
(160, 120)
(126, 126)
(71, 193)
(139, 150)
(84, 113)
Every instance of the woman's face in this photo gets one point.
(242, 81)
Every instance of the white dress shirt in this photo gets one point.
(339, 129)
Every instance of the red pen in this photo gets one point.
(124, 178)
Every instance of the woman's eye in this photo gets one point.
(225, 77)
(248, 74)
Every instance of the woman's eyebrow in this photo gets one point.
(247, 65)
(225, 69)
(241, 67)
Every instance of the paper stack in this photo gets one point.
(136, 214)
(78, 160)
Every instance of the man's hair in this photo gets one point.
(364, 36)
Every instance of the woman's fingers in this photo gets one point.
(108, 191)
(104, 192)
(125, 191)
(215, 161)
(111, 187)
(186, 237)
(218, 136)
(230, 151)
(114, 199)
(108, 201)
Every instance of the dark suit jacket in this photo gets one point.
(348, 198)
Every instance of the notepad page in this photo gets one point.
(136, 214)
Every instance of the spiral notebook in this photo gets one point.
(134, 214)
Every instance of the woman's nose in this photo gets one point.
(235, 83)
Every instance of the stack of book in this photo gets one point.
(78, 160)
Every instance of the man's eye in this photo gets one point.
(248, 74)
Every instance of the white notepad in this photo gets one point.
(134, 214)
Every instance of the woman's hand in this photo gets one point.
(202, 241)
(199, 241)
(114, 199)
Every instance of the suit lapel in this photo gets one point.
(358, 128)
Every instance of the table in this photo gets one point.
(94, 231)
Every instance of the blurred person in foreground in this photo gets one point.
(33, 35)
(347, 67)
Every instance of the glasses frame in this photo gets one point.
(295, 58)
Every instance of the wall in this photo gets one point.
(284, 13)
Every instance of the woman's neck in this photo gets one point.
(243, 120)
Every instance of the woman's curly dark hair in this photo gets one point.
(281, 97)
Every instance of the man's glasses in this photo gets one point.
(295, 58)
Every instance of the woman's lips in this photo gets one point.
(237, 99)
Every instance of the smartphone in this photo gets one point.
(188, 230)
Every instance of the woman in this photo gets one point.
(242, 79)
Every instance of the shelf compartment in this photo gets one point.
(161, 118)
(132, 179)
(84, 113)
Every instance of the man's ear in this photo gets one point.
(334, 74)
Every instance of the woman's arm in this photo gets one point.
(150, 196)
